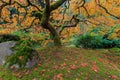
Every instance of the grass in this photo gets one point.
(67, 63)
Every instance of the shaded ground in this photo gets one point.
(70, 64)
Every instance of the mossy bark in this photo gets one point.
(45, 24)
(45, 19)
(55, 35)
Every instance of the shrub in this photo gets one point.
(117, 43)
(88, 41)
(23, 52)
(96, 41)
(8, 37)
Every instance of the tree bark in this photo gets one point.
(45, 24)
(55, 35)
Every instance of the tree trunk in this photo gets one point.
(55, 35)
(45, 24)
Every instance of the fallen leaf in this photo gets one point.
(94, 67)
(55, 77)
(76, 62)
(64, 64)
(35, 69)
(84, 64)
(73, 66)
(114, 77)
(100, 59)
(76, 79)
(1, 79)
(59, 75)
(35, 79)
(56, 67)
(12, 67)
(20, 57)
(27, 72)
(19, 75)
(39, 64)
(42, 72)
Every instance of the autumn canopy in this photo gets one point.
(55, 16)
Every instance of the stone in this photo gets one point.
(5, 50)
(34, 61)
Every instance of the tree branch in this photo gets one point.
(57, 4)
(106, 10)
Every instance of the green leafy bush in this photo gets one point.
(8, 37)
(23, 52)
(96, 41)
(88, 41)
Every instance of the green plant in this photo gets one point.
(96, 41)
(88, 41)
(8, 37)
(22, 34)
(23, 52)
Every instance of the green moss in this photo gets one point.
(56, 56)
(36, 14)
(23, 49)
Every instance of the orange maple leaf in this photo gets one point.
(94, 67)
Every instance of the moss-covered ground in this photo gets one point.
(70, 63)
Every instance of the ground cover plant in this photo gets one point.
(95, 40)
(73, 39)
(65, 63)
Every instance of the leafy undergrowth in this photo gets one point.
(63, 63)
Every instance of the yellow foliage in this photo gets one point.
(113, 36)
(93, 9)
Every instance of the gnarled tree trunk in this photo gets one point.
(55, 35)
(45, 24)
